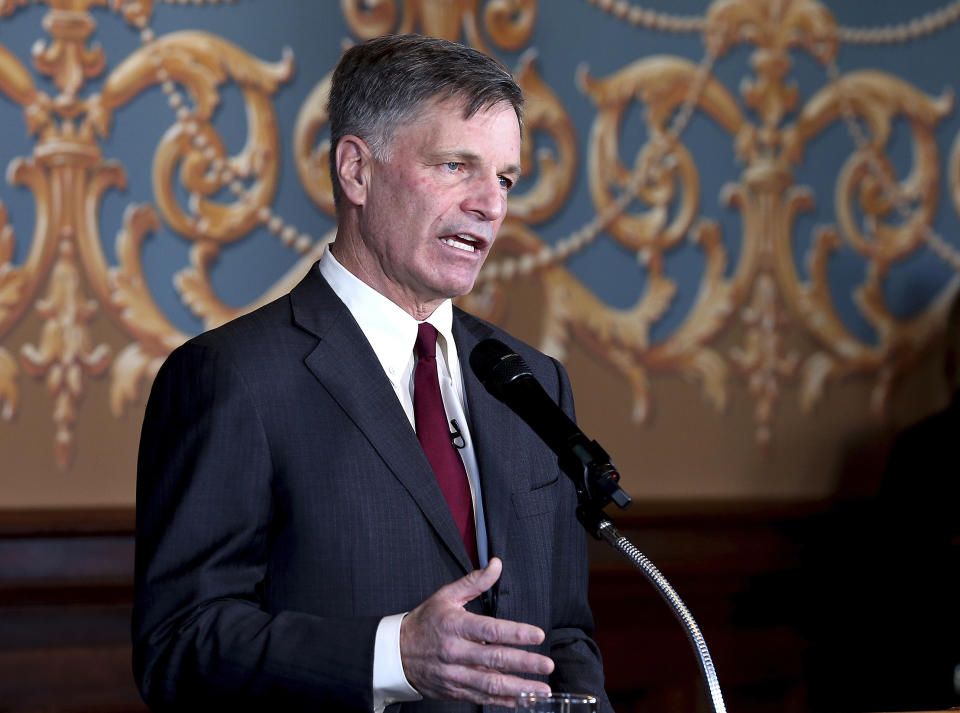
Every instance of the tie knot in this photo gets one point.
(426, 341)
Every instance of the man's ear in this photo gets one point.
(353, 168)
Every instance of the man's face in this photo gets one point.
(435, 204)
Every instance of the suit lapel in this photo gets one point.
(346, 366)
(496, 442)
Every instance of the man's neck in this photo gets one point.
(347, 254)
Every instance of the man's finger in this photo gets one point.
(505, 658)
(474, 584)
(491, 687)
(488, 630)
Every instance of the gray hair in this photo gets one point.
(386, 82)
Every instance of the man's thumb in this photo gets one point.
(475, 583)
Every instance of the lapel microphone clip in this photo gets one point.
(456, 437)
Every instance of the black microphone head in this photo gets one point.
(497, 365)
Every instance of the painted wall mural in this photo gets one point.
(759, 308)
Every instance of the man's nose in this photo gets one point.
(486, 198)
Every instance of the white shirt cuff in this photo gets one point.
(389, 683)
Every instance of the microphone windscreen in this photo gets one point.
(496, 365)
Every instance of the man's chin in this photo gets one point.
(457, 288)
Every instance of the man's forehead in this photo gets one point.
(446, 129)
(461, 106)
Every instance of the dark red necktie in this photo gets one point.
(434, 434)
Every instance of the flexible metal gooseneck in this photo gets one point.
(609, 534)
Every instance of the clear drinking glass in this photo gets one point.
(557, 702)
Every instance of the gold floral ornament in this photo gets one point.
(68, 177)
(65, 352)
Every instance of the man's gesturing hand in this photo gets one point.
(449, 653)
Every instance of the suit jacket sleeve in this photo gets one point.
(204, 509)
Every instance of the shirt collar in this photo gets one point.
(391, 331)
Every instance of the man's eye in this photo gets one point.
(505, 182)
(453, 165)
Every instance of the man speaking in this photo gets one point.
(332, 512)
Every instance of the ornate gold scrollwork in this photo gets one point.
(621, 337)
(312, 158)
(555, 170)
(68, 177)
(509, 23)
(878, 99)
(650, 204)
(765, 290)
(199, 62)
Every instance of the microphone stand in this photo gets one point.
(507, 377)
(596, 485)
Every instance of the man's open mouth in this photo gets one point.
(461, 242)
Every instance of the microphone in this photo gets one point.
(507, 377)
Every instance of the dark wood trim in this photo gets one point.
(66, 590)
(67, 522)
(107, 521)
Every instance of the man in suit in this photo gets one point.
(302, 538)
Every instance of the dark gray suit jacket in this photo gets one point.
(284, 505)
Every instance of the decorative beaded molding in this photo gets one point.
(914, 29)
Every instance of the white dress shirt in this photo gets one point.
(392, 333)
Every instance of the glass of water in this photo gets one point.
(557, 702)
